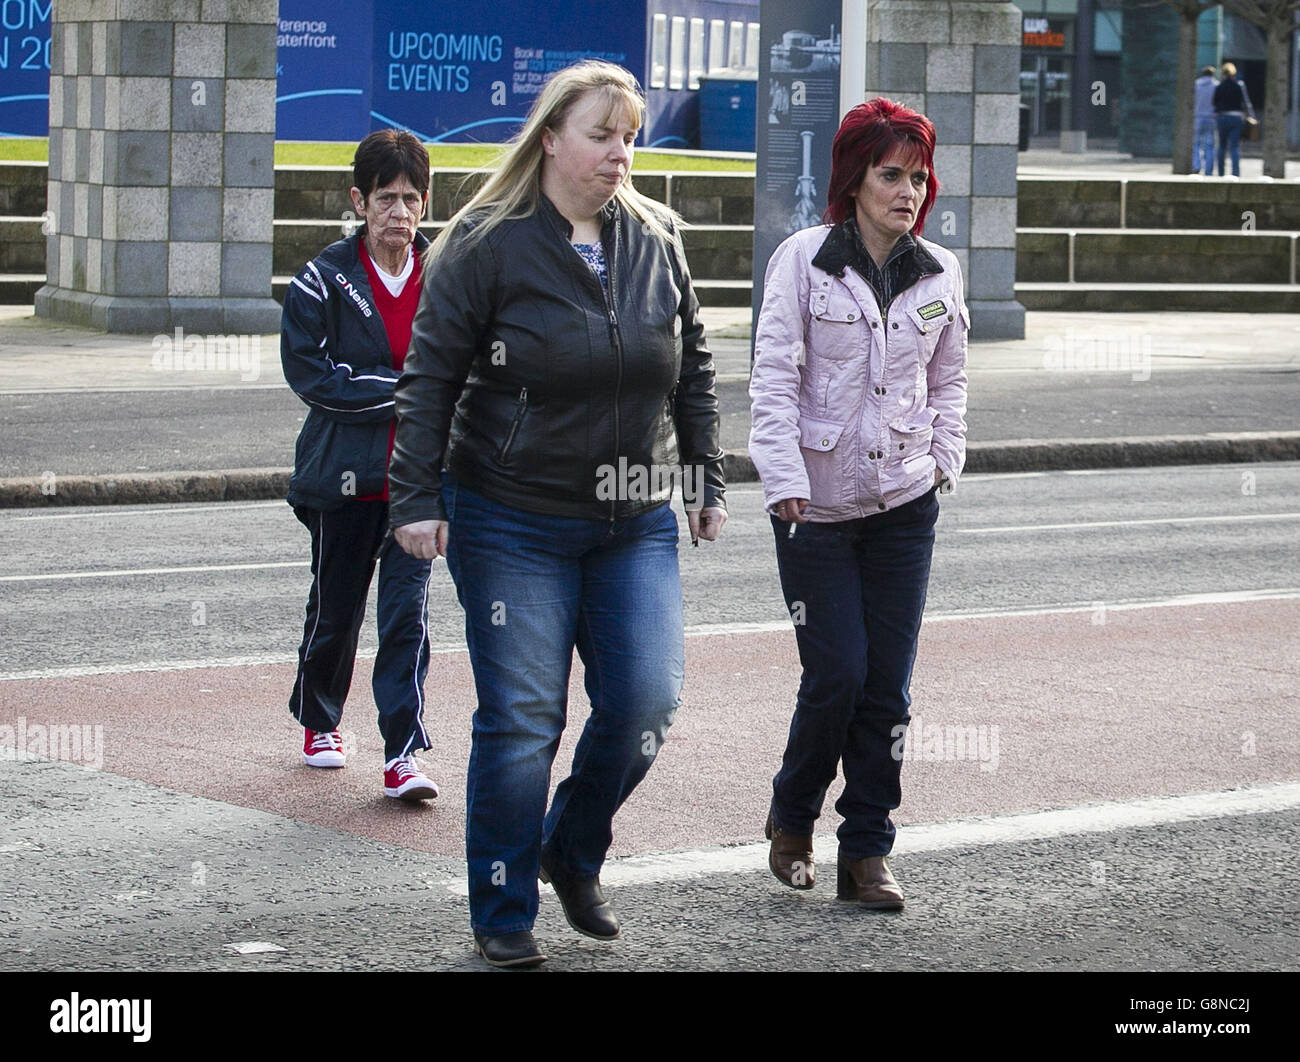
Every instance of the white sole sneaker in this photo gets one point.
(414, 789)
(328, 758)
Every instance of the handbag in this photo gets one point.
(1251, 129)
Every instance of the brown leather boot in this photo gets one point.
(791, 856)
(869, 882)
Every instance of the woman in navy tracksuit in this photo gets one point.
(346, 326)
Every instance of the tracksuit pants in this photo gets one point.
(346, 545)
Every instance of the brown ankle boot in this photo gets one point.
(869, 882)
(791, 856)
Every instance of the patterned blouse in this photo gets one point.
(594, 255)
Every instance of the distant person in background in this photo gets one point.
(1231, 105)
(1203, 134)
(346, 325)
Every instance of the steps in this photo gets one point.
(1181, 243)
(1085, 243)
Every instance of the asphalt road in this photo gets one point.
(113, 432)
(1114, 536)
(1131, 636)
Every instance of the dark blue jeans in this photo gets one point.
(856, 591)
(1230, 127)
(534, 588)
(346, 543)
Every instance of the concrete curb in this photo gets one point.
(1021, 455)
(145, 488)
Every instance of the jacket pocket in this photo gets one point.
(830, 479)
(835, 330)
(520, 409)
(821, 436)
(929, 321)
(912, 433)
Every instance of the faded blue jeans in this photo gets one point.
(1203, 146)
(534, 588)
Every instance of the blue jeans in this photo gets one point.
(1230, 126)
(1203, 146)
(533, 588)
(856, 591)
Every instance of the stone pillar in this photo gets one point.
(161, 183)
(958, 62)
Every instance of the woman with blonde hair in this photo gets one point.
(557, 384)
(1231, 106)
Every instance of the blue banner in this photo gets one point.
(24, 67)
(323, 69)
(470, 72)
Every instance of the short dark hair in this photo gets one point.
(869, 133)
(387, 154)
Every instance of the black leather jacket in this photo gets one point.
(535, 389)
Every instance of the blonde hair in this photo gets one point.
(1230, 69)
(513, 189)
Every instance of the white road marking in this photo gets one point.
(253, 947)
(1227, 597)
(154, 513)
(123, 572)
(1233, 597)
(1008, 529)
(978, 831)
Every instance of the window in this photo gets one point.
(717, 45)
(659, 51)
(736, 46)
(677, 53)
(751, 46)
(1108, 31)
(695, 64)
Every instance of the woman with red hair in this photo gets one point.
(859, 402)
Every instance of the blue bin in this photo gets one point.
(727, 111)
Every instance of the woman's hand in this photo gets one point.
(706, 523)
(791, 510)
(426, 539)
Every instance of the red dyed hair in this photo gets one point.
(869, 134)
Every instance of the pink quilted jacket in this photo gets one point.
(854, 409)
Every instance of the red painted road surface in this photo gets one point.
(1149, 702)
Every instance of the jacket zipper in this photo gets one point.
(514, 426)
(611, 299)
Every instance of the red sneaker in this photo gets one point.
(322, 750)
(404, 779)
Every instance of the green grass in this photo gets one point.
(456, 156)
(442, 156)
(25, 149)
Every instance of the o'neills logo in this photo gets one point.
(179, 352)
(357, 297)
(77, 1015)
